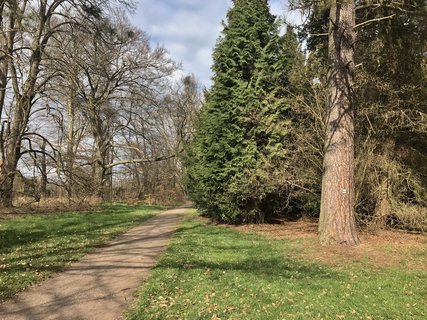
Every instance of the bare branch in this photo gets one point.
(373, 20)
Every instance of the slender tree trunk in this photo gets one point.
(7, 171)
(43, 167)
(69, 168)
(337, 218)
(6, 43)
(383, 206)
(101, 153)
(98, 169)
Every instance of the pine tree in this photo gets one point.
(235, 162)
(389, 106)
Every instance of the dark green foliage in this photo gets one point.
(391, 92)
(235, 163)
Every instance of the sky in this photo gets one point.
(188, 29)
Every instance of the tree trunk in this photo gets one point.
(383, 206)
(337, 218)
(69, 167)
(24, 96)
(43, 167)
(13, 150)
(6, 51)
(98, 170)
(7, 175)
(101, 154)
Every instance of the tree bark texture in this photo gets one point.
(101, 144)
(337, 218)
(23, 94)
(43, 169)
(69, 166)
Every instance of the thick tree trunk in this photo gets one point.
(337, 218)
(13, 153)
(19, 123)
(7, 176)
(13, 147)
(24, 95)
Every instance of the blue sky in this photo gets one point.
(188, 29)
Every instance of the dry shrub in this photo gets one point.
(409, 217)
(389, 193)
(26, 204)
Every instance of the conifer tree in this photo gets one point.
(237, 157)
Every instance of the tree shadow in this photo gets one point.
(33, 229)
(258, 257)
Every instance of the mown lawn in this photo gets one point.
(212, 272)
(34, 246)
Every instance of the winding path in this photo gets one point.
(102, 284)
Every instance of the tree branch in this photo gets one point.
(373, 20)
(140, 161)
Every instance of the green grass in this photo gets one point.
(34, 246)
(212, 272)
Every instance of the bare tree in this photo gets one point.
(108, 70)
(27, 30)
(155, 140)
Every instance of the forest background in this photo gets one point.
(90, 112)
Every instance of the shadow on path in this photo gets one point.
(101, 285)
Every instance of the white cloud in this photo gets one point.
(188, 29)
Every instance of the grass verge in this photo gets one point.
(34, 246)
(213, 272)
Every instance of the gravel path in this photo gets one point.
(102, 284)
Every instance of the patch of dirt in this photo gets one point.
(382, 248)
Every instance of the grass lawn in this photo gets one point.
(34, 246)
(212, 272)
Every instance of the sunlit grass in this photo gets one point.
(211, 272)
(34, 246)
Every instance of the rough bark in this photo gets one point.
(101, 151)
(13, 142)
(24, 97)
(69, 167)
(337, 218)
(43, 169)
(4, 60)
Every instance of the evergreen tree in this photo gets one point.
(235, 163)
(390, 84)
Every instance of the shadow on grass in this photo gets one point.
(48, 242)
(34, 246)
(222, 250)
(38, 228)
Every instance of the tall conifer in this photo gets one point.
(237, 156)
